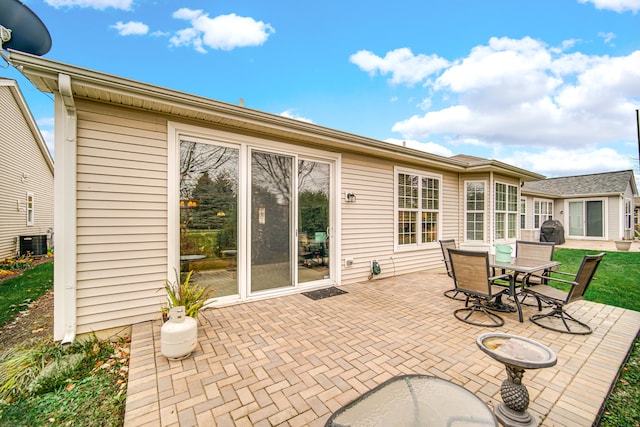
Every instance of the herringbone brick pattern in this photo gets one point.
(292, 361)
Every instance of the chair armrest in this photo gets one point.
(500, 277)
(556, 279)
(564, 273)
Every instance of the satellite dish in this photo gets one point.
(21, 29)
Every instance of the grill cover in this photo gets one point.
(552, 231)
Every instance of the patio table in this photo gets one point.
(185, 261)
(415, 400)
(520, 265)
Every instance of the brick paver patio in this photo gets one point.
(293, 361)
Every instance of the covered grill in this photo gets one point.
(552, 231)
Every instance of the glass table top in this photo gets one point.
(415, 400)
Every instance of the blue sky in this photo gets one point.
(547, 85)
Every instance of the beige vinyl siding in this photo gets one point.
(21, 154)
(451, 207)
(614, 217)
(122, 216)
(368, 225)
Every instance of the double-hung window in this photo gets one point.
(506, 211)
(418, 207)
(542, 211)
(474, 210)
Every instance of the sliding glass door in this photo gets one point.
(314, 221)
(271, 221)
(209, 215)
(254, 220)
(586, 218)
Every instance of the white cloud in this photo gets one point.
(522, 92)
(293, 115)
(45, 121)
(402, 64)
(608, 37)
(429, 147)
(558, 162)
(48, 136)
(131, 28)
(224, 32)
(93, 4)
(615, 5)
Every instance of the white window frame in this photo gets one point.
(468, 211)
(30, 209)
(509, 211)
(523, 213)
(538, 215)
(628, 218)
(417, 211)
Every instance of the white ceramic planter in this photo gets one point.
(623, 245)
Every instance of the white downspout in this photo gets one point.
(65, 212)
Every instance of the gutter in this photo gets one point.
(65, 311)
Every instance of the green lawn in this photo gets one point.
(617, 280)
(18, 292)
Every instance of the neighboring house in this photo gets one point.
(151, 181)
(26, 178)
(591, 207)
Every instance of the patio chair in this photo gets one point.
(558, 319)
(471, 276)
(533, 250)
(445, 245)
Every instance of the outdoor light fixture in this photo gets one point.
(350, 197)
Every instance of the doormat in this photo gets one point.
(324, 293)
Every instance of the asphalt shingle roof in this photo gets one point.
(600, 183)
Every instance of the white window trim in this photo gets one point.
(605, 218)
(30, 209)
(628, 218)
(487, 200)
(419, 244)
(533, 211)
(506, 211)
(178, 131)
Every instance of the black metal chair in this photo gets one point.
(445, 245)
(472, 277)
(558, 319)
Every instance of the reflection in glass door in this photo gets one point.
(595, 224)
(271, 221)
(313, 221)
(208, 215)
